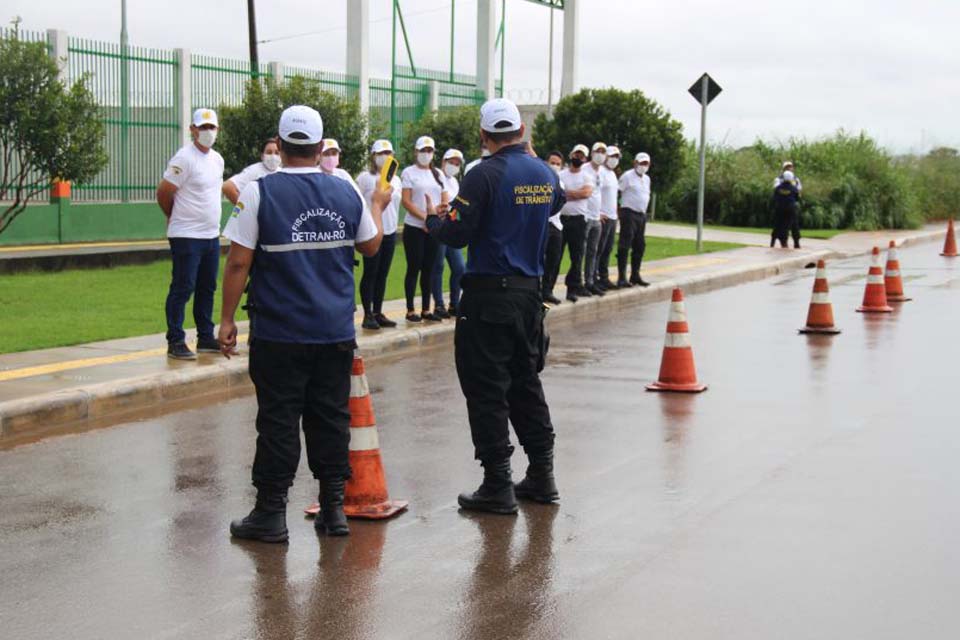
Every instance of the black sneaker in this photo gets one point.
(623, 284)
(370, 322)
(384, 321)
(412, 317)
(208, 345)
(552, 299)
(583, 292)
(180, 351)
(571, 296)
(431, 317)
(597, 291)
(442, 313)
(609, 284)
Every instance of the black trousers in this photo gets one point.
(574, 237)
(499, 351)
(376, 269)
(786, 219)
(552, 257)
(294, 381)
(608, 235)
(633, 236)
(421, 250)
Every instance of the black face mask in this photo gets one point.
(576, 162)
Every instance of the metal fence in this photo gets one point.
(138, 91)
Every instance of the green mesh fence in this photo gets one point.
(215, 81)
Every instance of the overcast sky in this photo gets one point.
(787, 68)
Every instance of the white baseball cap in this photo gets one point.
(301, 124)
(582, 148)
(642, 157)
(598, 145)
(500, 116)
(613, 150)
(379, 146)
(425, 141)
(329, 143)
(788, 175)
(452, 153)
(205, 116)
(786, 163)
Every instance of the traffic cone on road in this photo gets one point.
(892, 282)
(875, 294)
(820, 314)
(366, 491)
(950, 244)
(677, 371)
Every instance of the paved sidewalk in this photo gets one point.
(47, 389)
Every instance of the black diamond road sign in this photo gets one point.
(713, 89)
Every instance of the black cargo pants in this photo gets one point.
(500, 347)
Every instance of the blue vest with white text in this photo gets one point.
(301, 284)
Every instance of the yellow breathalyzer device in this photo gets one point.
(387, 172)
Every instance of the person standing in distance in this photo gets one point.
(598, 156)
(786, 202)
(793, 218)
(635, 187)
(501, 214)
(294, 233)
(608, 216)
(553, 253)
(376, 268)
(269, 162)
(189, 196)
(577, 188)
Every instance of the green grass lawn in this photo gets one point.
(42, 309)
(822, 234)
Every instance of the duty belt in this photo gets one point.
(498, 283)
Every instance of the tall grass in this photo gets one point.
(849, 182)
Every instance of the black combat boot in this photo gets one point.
(539, 484)
(331, 520)
(622, 282)
(495, 495)
(266, 523)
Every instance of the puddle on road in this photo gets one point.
(573, 357)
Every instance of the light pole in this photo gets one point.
(252, 29)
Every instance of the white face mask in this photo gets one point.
(598, 158)
(206, 137)
(271, 161)
(380, 160)
(424, 159)
(451, 169)
(612, 162)
(641, 169)
(556, 168)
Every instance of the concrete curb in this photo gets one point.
(63, 411)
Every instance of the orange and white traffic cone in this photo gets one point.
(820, 314)
(366, 491)
(875, 294)
(950, 244)
(677, 371)
(892, 281)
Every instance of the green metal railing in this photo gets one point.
(136, 90)
(215, 81)
(340, 84)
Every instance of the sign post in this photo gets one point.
(703, 91)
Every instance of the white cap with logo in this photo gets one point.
(424, 142)
(301, 124)
(205, 116)
(582, 148)
(379, 146)
(598, 145)
(452, 153)
(613, 150)
(329, 143)
(500, 116)
(642, 157)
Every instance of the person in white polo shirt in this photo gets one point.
(578, 186)
(269, 162)
(376, 268)
(635, 190)
(598, 155)
(189, 196)
(609, 189)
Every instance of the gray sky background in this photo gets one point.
(890, 68)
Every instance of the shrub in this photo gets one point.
(453, 128)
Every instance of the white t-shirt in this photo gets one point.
(593, 206)
(198, 177)
(608, 192)
(636, 191)
(421, 183)
(243, 227)
(451, 186)
(254, 172)
(367, 183)
(571, 182)
(779, 179)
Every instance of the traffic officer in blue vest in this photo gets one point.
(501, 214)
(294, 232)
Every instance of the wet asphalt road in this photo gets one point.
(811, 492)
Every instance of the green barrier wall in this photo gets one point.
(66, 222)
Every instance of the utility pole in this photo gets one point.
(124, 104)
(252, 29)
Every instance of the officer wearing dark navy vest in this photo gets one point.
(294, 233)
(501, 214)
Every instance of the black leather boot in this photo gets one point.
(331, 520)
(622, 282)
(495, 495)
(539, 484)
(266, 523)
